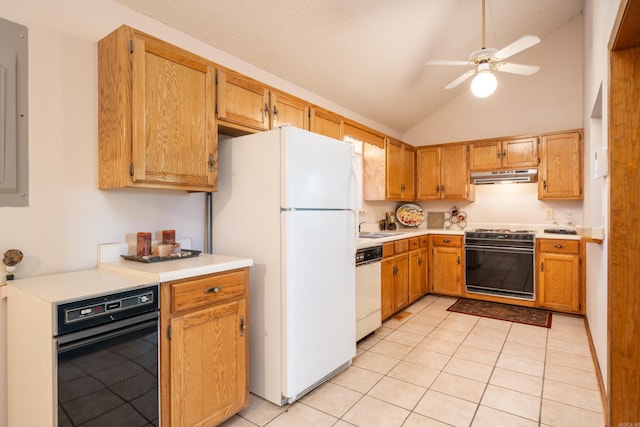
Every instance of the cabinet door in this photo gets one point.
(373, 172)
(401, 283)
(408, 173)
(520, 152)
(423, 271)
(208, 365)
(326, 123)
(173, 130)
(561, 170)
(446, 271)
(428, 173)
(388, 279)
(558, 281)
(455, 174)
(286, 109)
(242, 101)
(485, 155)
(417, 274)
(394, 176)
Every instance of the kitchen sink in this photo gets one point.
(378, 235)
(559, 231)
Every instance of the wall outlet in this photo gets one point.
(549, 214)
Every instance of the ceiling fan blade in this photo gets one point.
(525, 70)
(517, 46)
(460, 79)
(447, 62)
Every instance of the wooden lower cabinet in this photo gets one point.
(558, 275)
(447, 265)
(418, 262)
(395, 277)
(204, 349)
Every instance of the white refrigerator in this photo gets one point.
(289, 199)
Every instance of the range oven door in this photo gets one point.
(108, 375)
(500, 271)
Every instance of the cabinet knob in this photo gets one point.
(243, 326)
(499, 153)
(214, 290)
(544, 184)
(420, 261)
(504, 153)
(395, 270)
(458, 259)
(275, 113)
(266, 110)
(559, 246)
(447, 241)
(542, 266)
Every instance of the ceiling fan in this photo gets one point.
(487, 60)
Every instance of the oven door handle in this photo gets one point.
(103, 332)
(508, 249)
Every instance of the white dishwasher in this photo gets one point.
(368, 290)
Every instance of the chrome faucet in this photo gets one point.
(360, 226)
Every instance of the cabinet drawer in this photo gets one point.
(400, 246)
(387, 249)
(206, 290)
(447, 240)
(424, 241)
(559, 246)
(414, 243)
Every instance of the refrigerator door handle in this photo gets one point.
(356, 177)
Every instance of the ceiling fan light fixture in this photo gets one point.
(484, 84)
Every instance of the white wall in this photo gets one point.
(511, 205)
(67, 215)
(599, 19)
(547, 101)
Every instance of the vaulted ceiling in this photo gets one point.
(366, 55)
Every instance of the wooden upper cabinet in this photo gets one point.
(289, 110)
(520, 152)
(373, 159)
(428, 173)
(242, 101)
(400, 170)
(442, 173)
(560, 175)
(326, 123)
(506, 154)
(156, 123)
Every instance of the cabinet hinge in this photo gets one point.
(169, 332)
(130, 46)
(131, 169)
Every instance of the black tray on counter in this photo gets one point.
(185, 253)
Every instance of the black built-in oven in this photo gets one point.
(107, 367)
(501, 263)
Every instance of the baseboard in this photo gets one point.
(603, 390)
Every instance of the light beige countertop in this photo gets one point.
(63, 287)
(109, 259)
(591, 237)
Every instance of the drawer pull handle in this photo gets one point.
(560, 246)
(447, 241)
(214, 290)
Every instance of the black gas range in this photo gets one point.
(500, 237)
(500, 262)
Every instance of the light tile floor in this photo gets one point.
(438, 368)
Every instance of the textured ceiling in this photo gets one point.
(365, 55)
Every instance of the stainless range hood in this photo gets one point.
(504, 176)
